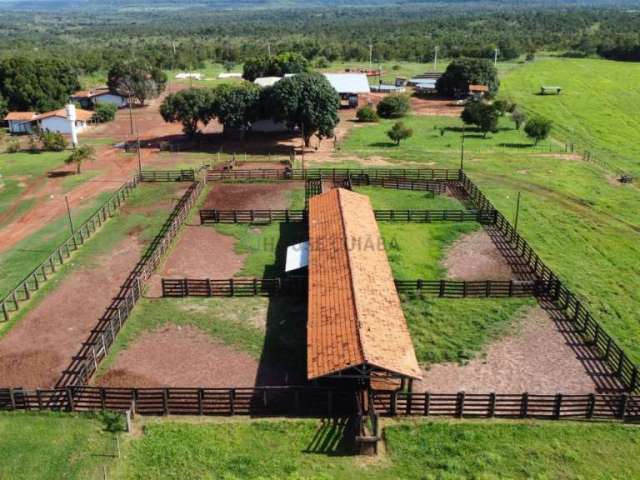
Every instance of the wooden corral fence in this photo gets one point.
(102, 337)
(555, 407)
(209, 216)
(591, 330)
(39, 275)
(400, 183)
(234, 287)
(297, 286)
(168, 176)
(332, 174)
(307, 401)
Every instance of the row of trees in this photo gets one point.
(306, 101)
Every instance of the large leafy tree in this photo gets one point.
(538, 128)
(235, 105)
(466, 71)
(274, 66)
(190, 107)
(40, 85)
(136, 80)
(307, 101)
(482, 115)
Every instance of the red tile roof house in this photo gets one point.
(55, 121)
(91, 98)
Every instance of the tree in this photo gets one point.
(399, 132)
(79, 155)
(228, 65)
(503, 106)
(136, 80)
(538, 128)
(482, 115)
(518, 117)
(105, 112)
(4, 107)
(52, 141)
(467, 71)
(274, 66)
(36, 85)
(367, 114)
(189, 107)
(321, 62)
(307, 101)
(235, 104)
(393, 106)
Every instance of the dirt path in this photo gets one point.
(176, 356)
(257, 196)
(200, 253)
(535, 358)
(36, 350)
(476, 257)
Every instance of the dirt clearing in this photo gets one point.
(176, 356)
(34, 352)
(535, 358)
(201, 252)
(475, 257)
(257, 196)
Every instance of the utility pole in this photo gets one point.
(462, 151)
(515, 221)
(371, 56)
(435, 59)
(495, 57)
(66, 201)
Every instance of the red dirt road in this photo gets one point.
(257, 196)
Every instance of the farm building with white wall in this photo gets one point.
(20, 122)
(91, 98)
(57, 121)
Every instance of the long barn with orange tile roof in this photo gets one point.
(356, 327)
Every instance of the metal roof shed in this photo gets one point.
(345, 83)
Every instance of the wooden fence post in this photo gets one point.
(622, 408)
(165, 401)
(427, 403)
(12, 398)
(394, 403)
(232, 397)
(634, 379)
(71, 405)
(492, 405)
(557, 406)
(200, 401)
(460, 404)
(524, 405)
(591, 406)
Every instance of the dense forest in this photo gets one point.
(186, 37)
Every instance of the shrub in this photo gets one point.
(503, 106)
(399, 132)
(518, 117)
(538, 128)
(53, 141)
(13, 147)
(105, 112)
(321, 62)
(393, 106)
(367, 114)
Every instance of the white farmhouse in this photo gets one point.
(91, 98)
(57, 121)
(20, 122)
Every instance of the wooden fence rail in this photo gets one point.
(374, 174)
(574, 309)
(306, 401)
(209, 216)
(168, 176)
(103, 336)
(39, 275)
(297, 286)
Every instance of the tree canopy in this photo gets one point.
(137, 80)
(538, 128)
(274, 66)
(307, 101)
(41, 85)
(235, 105)
(482, 115)
(393, 106)
(190, 107)
(466, 71)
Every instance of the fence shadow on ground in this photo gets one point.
(334, 437)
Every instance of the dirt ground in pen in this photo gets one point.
(201, 252)
(184, 357)
(476, 257)
(36, 350)
(536, 357)
(256, 196)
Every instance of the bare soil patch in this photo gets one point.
(36, 350)
(257, 196)
(181, 357)
(475, 257)
(535, 358)
(200, 252)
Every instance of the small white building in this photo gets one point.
(188, 75)
(267, 81)
(20, 122)
(91, 98)
(57, 121)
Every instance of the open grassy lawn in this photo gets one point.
(133, 218)
(393, 199)
(52, 446)
(414, 450)
(597, 110)
(438, 141)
